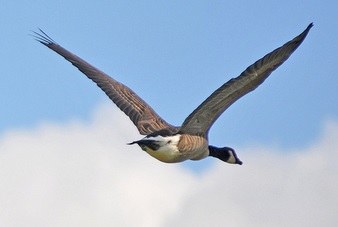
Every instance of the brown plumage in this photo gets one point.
(170, 143)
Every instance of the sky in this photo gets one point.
(63, 154)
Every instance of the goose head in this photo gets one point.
(226, 154)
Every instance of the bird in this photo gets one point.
(172, 144)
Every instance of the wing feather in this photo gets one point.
(203, 117)
(140, 113)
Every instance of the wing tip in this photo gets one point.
(42, 37)
(308, 28)
(296, 42)
(305, 32)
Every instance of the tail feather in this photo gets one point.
(133, 142)
(152, 144)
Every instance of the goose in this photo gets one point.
(172, 144)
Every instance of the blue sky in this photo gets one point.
(167, 51)
(174, 54)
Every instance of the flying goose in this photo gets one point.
(164, 141)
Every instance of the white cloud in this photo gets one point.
(84, 174)
(273, 188)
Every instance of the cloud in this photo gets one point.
(273, 188)
(84, 174)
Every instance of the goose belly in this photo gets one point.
(177, 148)
(164, 148)
(166, 155)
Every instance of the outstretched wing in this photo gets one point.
(202, 118)
(142, 115)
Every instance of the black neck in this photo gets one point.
(218, 153)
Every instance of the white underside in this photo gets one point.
(168, 151)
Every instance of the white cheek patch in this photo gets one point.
(232, 158)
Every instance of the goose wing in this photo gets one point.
(140, 113)
(202, 118)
